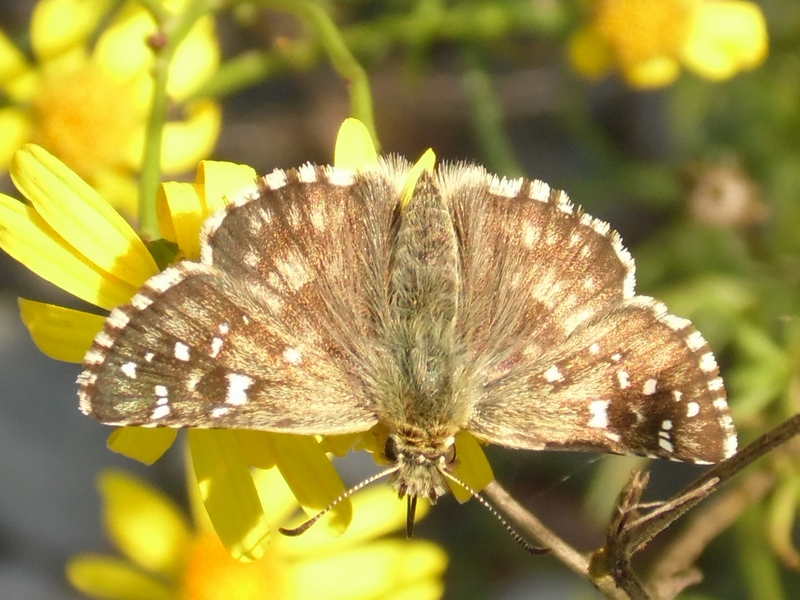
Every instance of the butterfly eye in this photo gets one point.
(390, 449)
(450, 454)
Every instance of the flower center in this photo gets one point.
(640, 30)
(85, 119)
(211, 574)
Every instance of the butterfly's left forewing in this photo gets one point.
(268, 329)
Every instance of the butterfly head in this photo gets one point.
(421, 462)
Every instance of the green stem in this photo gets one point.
(341, 57)
(759, 567)
(487, 120)
(174, 29)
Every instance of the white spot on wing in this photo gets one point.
(692, 409)
(238, 385)
(181, 351)
(540, 191)
(650, 387)
(530, 235)
(676, 323)
(599, 410)
(731, 443)
(294, 271)
(720, 404)
(129, 368)
(552, 374)
(140, 301)
(104, 340)
(318, 220)
(161, 411)
(216, 346)
(338, 176)
(594, 348)
(292, 356)
(307, 173)
(149, 356)
(93, 357)
(571, 322)
(666, 445)
(275, 180)
(707, 362)
(251, 259)
(161, 390)
(695, 341)
(505, 187)
(624, 379)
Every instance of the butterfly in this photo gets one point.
(327, 301)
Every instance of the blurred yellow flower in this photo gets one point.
(649, 40)
(165, 558)
(86, 99)
(70, 236)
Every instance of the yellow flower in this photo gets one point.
(70, 236)
(87, 100)
(649, 40)
(166, 559)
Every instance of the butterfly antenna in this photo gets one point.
(344, 496)
(526, 545)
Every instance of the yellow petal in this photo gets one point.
(654, 73)
(340, 445)
(122, 50)
(377, 511)
(145, 444)
(312, 477)
(427, 589)
(277, 499)
(472, 467)
(368, 571)
(180, 215)
(354, 146)
(61, 333)
(143, 522)
(229, 493)
(27, 238)
(186, 142)
(120, 189)
(426, 162)
(58, 26)
(725, 37)
(590, 53)
(16, 127)
(109, 578)
(17, 78)
(195, 60)
(255, 448)
(220, 182)
(80, 216)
